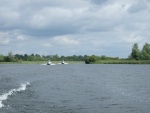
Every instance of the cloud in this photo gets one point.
(4, 38)
(98, 2)
(67, 27)
(47, 45)
(8, 17)
(21, 37)
(49, 17)
(133, 38)
(4, 41)
(138, 6)
(65, 40)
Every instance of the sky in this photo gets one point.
(74, 27)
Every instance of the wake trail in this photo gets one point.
(11, 92)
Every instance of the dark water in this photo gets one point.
(74, 88)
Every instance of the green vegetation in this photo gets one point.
(123, 61)
(42, 62)
(136, 57)
(145, 53)
(38, 59)
(136, 54)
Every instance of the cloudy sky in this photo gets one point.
(73, 27)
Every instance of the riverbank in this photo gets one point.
(122, 62)
(82, 62)
(42, 62)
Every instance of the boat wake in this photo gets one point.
(11, 92)
(46, 64)
(62, 63)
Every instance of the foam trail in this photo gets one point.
(43, 64)
(11, 92)
(46, 64)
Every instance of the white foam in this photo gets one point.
(43, 64)
(53, 64)
(61, 63)
(46, 64)
(11, 92)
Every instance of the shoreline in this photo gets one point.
(82, 62)
(121, 62)
(42, 62)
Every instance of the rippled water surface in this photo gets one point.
(74, 88)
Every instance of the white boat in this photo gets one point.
(49, 62)
(63, 62)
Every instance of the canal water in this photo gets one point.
(74, 88)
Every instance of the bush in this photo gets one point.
(91, 59)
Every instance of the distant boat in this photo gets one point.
(49, 62)
(63, 62)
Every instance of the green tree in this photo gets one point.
(136, 54)
(25, 57)
(1, 58)
(19, 57)
(91, 59)
(11, 57)
(38, 57)
(103, 57)
(146, 52)
(55, 57)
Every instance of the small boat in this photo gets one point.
(63, 62)
(49, 62)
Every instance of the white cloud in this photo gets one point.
(133, 38)
(7, 13)
(65, 40)
(21, 37)
(4, 40)
(8, 17)
(52, 17)
(12, 38)
(47, 45)
(73, 26)
(49, 17)
(138, 6)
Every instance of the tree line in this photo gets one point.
(136, 54)
(36, 57)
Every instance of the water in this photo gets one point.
(74, 88)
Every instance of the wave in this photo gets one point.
(11, 92)
(46, 64)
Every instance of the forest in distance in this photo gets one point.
(136, 57)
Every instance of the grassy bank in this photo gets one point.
(122, 62)
(42, 62)
(82, 62)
